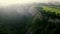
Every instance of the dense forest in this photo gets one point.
(41, 23)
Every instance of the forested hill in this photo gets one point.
(27, 19)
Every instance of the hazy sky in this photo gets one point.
(9, 2)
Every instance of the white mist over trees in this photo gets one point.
(16, 12)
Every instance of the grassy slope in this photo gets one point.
(51, 9)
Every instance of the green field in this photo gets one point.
(51, 9)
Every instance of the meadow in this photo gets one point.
(51, 9)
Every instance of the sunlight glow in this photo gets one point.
(9, 2)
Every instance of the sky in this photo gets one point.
(9, 2)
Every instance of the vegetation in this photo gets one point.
(38, 24)
(51, 9)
